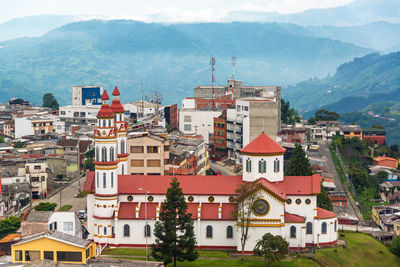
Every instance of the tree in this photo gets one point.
(90, 153)
(9, 225)
(272, 248)
(18, 144)
(378, 126)
(175, 239)
(45, 206)
(299, 164)
(395, 246)
(88, 164)
(49, 101)
(326, 115)
(245, 199)
(288, 115)
(323, 200)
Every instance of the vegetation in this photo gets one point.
(9, 226)
(323, 200)
(324, 115)
(49, 101)
(81, 194)
(272, 248)
(395, 246)
(65, 208)
(18, 144)
(88, 164)
(175, 238)
(288, 115)
(46, 206)
(299, 164)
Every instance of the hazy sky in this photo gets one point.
(168, 10)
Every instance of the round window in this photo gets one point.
(104, 206)
(298, 201)
(261, 207)
(231, 199)
(190, 199)
(129, 198)
(211, 199)
(289, 201)
(112, 206)
(150, 198)
(308, 201)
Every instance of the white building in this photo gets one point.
(36, 176)
(66, 222)
(285, 206)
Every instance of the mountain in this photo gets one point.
(33, 26)
(170, 58)
(355, 13)
(355, 85)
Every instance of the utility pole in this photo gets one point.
(79, 163)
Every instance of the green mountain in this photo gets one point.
(355, 85)
(170, 58)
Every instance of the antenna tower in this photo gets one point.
(212, 63)
(233, 68)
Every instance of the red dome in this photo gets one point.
(105, 96)
(117, 107)
(105, 112)
(263, 144)
(116, 91)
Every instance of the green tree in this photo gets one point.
(395, 246)
(175, 239)
(323, 200)
(326, 115)
(90, 153)
(378, 126)
(272, 248)
(2, 139)
(49, 101)
(288, 115)
(9, 226)
(299, 164)
(18, 144)
(88, 164)
(45, 206)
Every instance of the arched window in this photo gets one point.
(112, 180)
(147, 231)
(229, 232)
(97, 154)
(309, 228)
(335, 226)
(122, 147)
(276, 165)
(209, 231)
(104, 180)
(248, 165)
(104, 154)
(123, 169)
(111, 153)
(292, 231)
(98, 179)
(262, 166)
(126, 230)
(323, 228)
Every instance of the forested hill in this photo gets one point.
(355, 85)
(170, 58)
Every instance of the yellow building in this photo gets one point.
(350, 131)
(396, 227)
(55, 246)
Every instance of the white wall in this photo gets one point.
(270, 175)
(188, 103)
(23, 126)
(70, 217)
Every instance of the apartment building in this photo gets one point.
(86, 95)
(35, 125)
(37, 176)
(148, 154)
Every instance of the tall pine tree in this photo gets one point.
(175, 239)
(299, 164)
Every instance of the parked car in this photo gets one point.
(82, 214)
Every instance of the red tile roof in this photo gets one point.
(116, 91)
(193, 208)
(325, 214)
(89, 185)
(303, 185)
(293, 218)
(263, 144)
(151, 210)
(127, 210)
(105, 95)
(383, 158)
(105, 112)
(209, 211)
(116, 106)
(227, 211)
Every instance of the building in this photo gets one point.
(285, 205)
(219, 138)
(148, 154)
(171, 116)
(385, 162)
(376, 136)
(86, 95)
(37, 177)
(34, 125)
(54, 246)
(36, 222)
(386, 216)
(66, 222)
(73, 115)
(350, 131)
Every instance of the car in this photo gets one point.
(218, 173)
(82, 214)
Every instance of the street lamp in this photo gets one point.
(145, 217)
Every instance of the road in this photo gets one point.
(221, 168)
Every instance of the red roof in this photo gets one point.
(325, 214)
(116, 106)
(383, 158)
(105, 112)
(263, 144)
(193, 208)
(116, 91)
(227, 211)
(127, 210)
(105, 95)
(293, 218)
(89, 185)
(303, 185)
(209, 211)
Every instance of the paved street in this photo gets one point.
(217, 166)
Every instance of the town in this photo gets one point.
(81, 180)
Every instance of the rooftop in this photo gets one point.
(263, 144)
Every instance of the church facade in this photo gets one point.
(119, 204)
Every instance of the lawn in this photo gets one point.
(362, 250)
(337, 165)
(233, 263)
(65, 208)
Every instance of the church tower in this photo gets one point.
(122, 129)
(263, 158)
(106, 182)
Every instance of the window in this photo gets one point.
(298, 201)
(123, 170)
(55, 225)
(48, 255)
(105, 230)
(190, 199)
(18, 255)
(137, 149)
(246, 108)
(323, 228)
(68, 226)
(147, 230)
(31, 255)
(211, 199)
(129, 198)
(112, 180)
(293, 232)
(187, 118)
(126, 230)
(103, 154)
(153, 149)
(209, 231)
(111, 153)
(262, 166)
(309, 228)
(308, 201)
(238, 108)
(97, 154)
(248, 165)
(122, 147)
(336, 226)
(153, 163)
(112, 230)
(229, 232)
(98, 179)
(150, 198)
(187, 127)
(69, 256)
(104, 180)
(276, 165)
(137, 163)
(62, 112)
(289, 201)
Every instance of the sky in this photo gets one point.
(153, 10)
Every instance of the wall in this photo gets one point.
(201, 122)
(23, 127)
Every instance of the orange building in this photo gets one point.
(385, 161)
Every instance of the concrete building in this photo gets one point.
(171, 116)
(37, 177)
(350, 131)
(66, 222)
(148, 154)
(34, 125)
(86, 95)
(73, 115)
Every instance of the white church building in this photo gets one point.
(117, 202)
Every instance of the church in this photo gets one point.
(119, 204)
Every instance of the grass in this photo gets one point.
(337, 165)
(362, 250)
(126, 251)
(237, 263)
(81, 194)
(65, 208)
